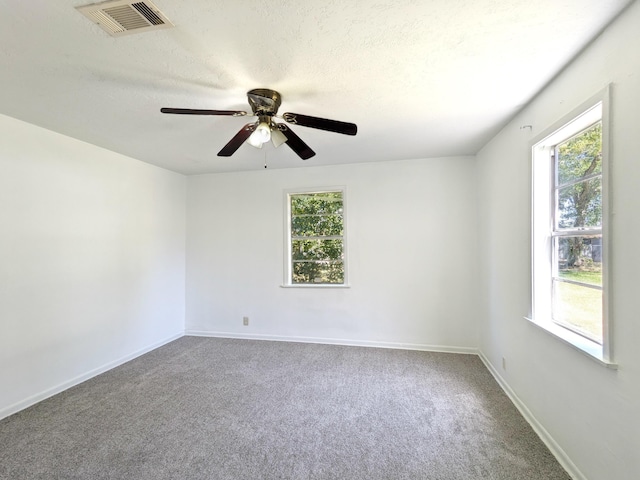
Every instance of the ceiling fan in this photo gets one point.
(264, 105)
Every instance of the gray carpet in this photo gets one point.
(204, 408)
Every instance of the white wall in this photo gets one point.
(411, 236)
(92, 252)
(592, 413)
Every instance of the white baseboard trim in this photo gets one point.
(546, 438)
(50, 392)
(335, 341)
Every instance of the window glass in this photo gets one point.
(580, 259)
(580, 156)
(580, 204)
(578, 308)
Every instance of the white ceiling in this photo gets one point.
(420, 78)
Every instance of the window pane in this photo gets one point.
(580, 204)
(316, 250)
(317, 225)
(316, 203)
(579, 258)
(580, 156)
(579, 308)
(318, 272)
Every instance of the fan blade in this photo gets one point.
(321, 123)
(191, 111)
(296, 143)
(239, 138)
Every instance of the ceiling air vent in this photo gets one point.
(123, 17)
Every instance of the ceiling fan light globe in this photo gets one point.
(263, 132)
(277, 137)
(255, 140)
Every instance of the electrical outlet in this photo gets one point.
(504, 363)
(245, 321)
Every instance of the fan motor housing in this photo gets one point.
(264, 101)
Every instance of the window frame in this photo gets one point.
(288, 239)
(544, 229)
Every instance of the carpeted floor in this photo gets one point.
(205, 408)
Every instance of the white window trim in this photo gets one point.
(541, 146)
(287, 237)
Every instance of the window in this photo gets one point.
(569, 235)
(316, 239)
(576, 270)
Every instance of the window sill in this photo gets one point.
(591, 349)
(309, 285)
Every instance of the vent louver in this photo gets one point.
(122, 17)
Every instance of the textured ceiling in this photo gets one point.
(420, 78)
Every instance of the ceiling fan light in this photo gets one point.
(263, 132)
(277, 137)
(254, 140)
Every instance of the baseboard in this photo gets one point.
(547, 439)
(32, 400)
(336, 341)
